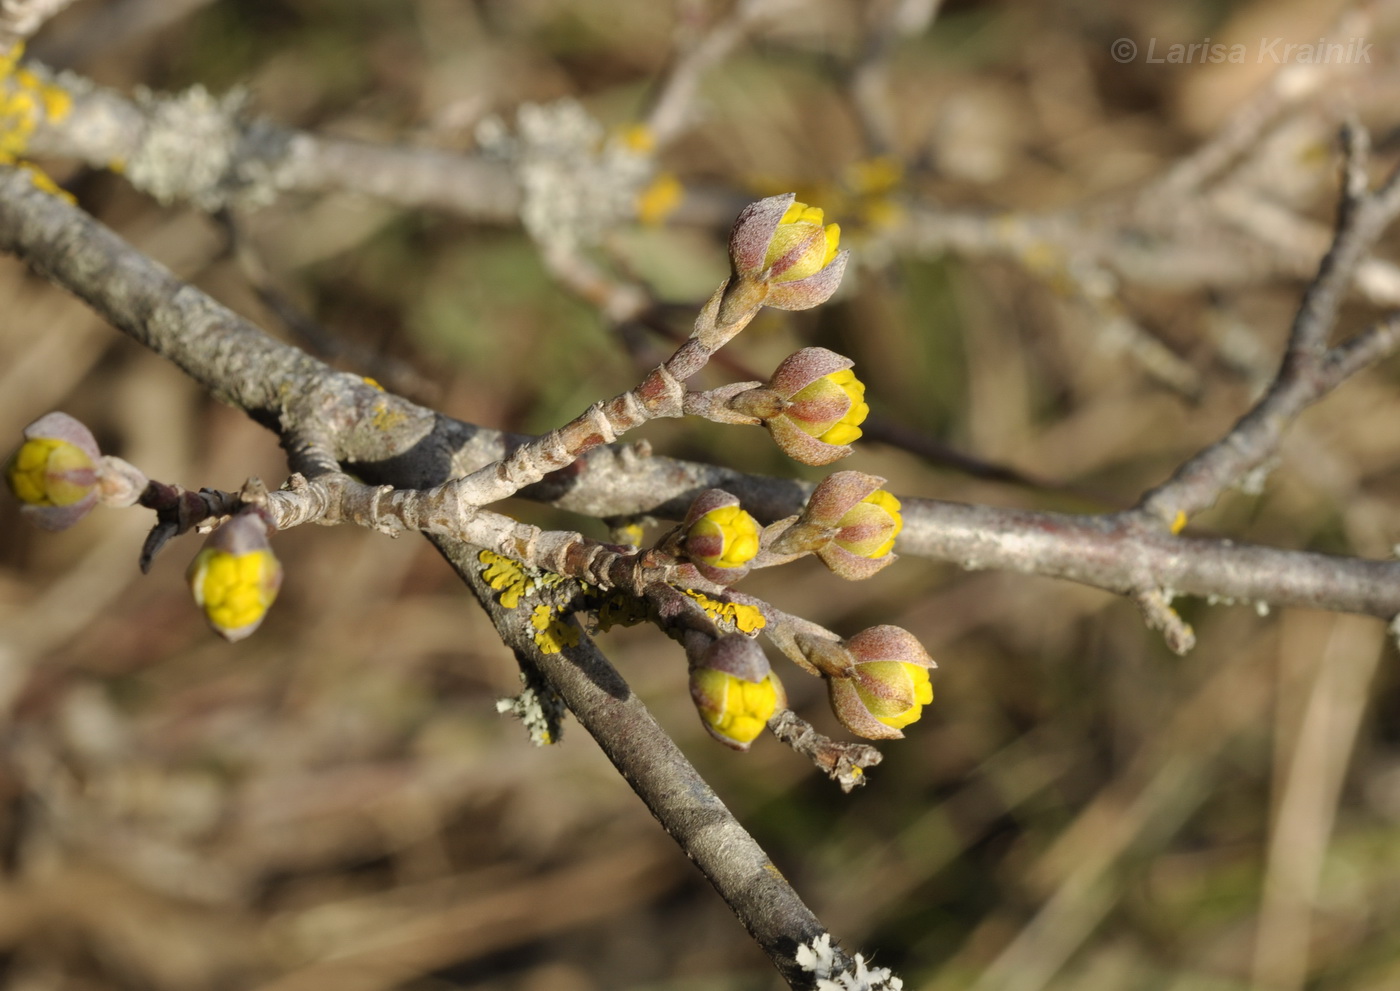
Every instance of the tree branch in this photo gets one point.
(384, 437)
(659, 773)
(1309, 370)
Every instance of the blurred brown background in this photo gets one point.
(334, 803)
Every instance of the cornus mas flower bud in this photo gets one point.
(783, 257)
(718, 537)
(813, 406)
(849, 522)
(834, 389)
(878, 680)
(868, 528)
(55, 472)
(235, 577)
(734, 690)
(801, 246)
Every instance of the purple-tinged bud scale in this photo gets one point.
(849, 522)
(878, 680)
(782, 256)
(813, 406)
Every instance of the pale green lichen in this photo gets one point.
(540, 708)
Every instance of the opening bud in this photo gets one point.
(783, 244)
(719, 537)
(849, 522)
(235, 577)
(813, 406)
(886, 685)
(734, 690)
(55, 472)
(801, 245)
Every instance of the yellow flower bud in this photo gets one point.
(733, 688)
(878, 680)
(719, 537)
(894, 692)
(783, 256)
(56, 473)
(725, 538)
(801, 246)
(47, 471)
(813, 405)
(849, 522)
(235, 577)
(828, 394)
(733, 710)
(871, 532)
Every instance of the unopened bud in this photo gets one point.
(719, 537)
(849, 522)
(782, 256)
(813, 406)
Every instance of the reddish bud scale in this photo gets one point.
(885, 685)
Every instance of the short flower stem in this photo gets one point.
(660, 394)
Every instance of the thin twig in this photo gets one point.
(673, 106)
(1308, 370)
(277, 384)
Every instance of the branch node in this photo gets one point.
(1157, 611)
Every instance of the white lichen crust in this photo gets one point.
(540, 709)
(576, 183)
(195, 148)
(833, 973)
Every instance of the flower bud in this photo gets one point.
(718, 537)
(869, 527)
(782, 244)
(801, 246)
(813, 406)
(235, 577)
(885, 685)
(54, 473)
(849, 522)
(734, 690)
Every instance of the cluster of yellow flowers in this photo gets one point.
(784, 255)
